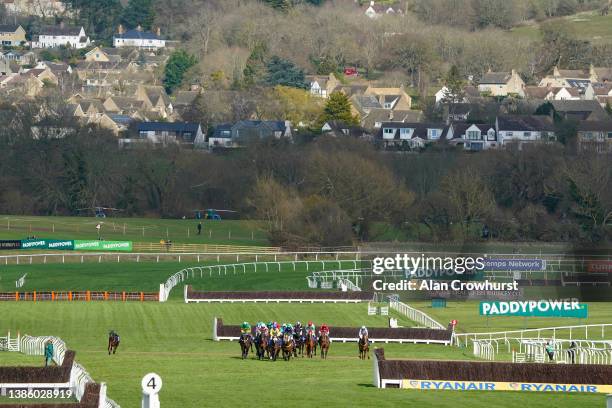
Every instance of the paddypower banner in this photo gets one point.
(103, 246)
(503, 386)
(535, 308)
(54, 244)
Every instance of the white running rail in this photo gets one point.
(580, 332)
(414, 314)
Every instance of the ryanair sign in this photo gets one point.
(503, 386)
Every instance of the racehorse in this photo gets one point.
(300, 340)
(113, 342)
(246, 344)
(364, 347)
(324, 344)
(261, 345)
(311, 345)
(288, 347)
(274, 348)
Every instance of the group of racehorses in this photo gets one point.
(302, 343)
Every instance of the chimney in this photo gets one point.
(158, 31)
(390, 115)
(120, 29)
(139, 28)
(62, 24)
(556, 72)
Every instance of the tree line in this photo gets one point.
(322, 191)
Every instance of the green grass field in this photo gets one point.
(588, 26)
(173, 340)
(224, 232)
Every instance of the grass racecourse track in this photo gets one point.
(173, 339)
(223, 232)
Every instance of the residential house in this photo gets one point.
(602, 92)
(411, 135)
(221, 137)
(89, 110)
(523, 129)
(19, 57)
(45, 75)
(352, 89)
(156, 100)
(600, 74)
(443, 92)
(375, 117)
(61, 35)
(99, 54)
(322, 86)
(539, 92)
(391, 98)
(139, 39)
(124, 105)
(246, 130)
(502, 84)
(473, 136)
(58, 68)
(362, 105)
(339, 128)
(115, 123)
(580, 110)
(377, 10)
(595, 136)
(567, 78)
(167, 133)
(29, 86)
(12, 35)
(103, 74)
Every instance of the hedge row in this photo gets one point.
(273, 295)
(350, 332)
(60, 374)
(494, 372)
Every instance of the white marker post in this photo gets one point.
(151, 385)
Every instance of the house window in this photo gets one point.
(609, 135)
(433, 134)
(588, 135)
(388, 105)
(509, 134)
(404, 132)
(491, 135)
(473, 135)
(527, 134)
(388, 131)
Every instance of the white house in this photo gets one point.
(139, 39)
(522, 130)
(414, 135)
(61, 35)
(474, 137)
(375, 10)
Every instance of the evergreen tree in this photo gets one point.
(284, 72)
(454, 86)
(178, 63)
(139, 12)
(254, 70)
(338, 107)
(99, 17)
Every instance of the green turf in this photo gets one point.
(226, 232)
(588, 26)
(173, 340)
(146, 276)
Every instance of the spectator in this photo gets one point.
(200, 228)
(48, 353)
(572, 352)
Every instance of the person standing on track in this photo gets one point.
(48, 353)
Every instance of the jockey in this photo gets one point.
(324, 330)
(363, 332)
(288, 329)
(245, 328)
(258, 328)
(311, 329)
(274, 330)
(298, 327)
